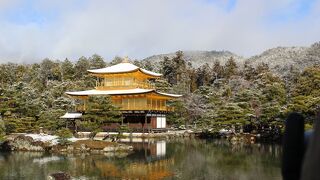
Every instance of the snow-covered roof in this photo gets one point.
(71, 116)
(122, 68)
(109, 92)
(119, 92)
(170, 95)
(150, 72)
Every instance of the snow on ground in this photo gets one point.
(50, 138)
(42, 137)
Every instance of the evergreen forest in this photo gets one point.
(217, 96)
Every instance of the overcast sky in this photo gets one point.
(31, 30)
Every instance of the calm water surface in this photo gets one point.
(179, 159)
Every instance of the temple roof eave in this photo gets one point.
(150, 73)
(71, 116)
(120, 92)
(169, 95)
(109, 92)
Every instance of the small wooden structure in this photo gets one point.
(71, 120)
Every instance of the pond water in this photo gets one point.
(178, 159)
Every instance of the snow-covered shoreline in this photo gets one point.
(52, 143)
(52, 139)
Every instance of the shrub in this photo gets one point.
(64, 134)
(124, 128)
(94, 132)
(2, 128)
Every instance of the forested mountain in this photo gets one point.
(279, 59)
(282, 59)
(198, 58)
(230, 91)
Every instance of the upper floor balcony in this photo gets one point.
(122, 83)
(135, 107)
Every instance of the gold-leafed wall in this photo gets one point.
(113, 83)
(150, 101)
(123, 81)
(142, 102)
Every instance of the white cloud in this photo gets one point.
(141, 28)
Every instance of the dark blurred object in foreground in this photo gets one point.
(293, 147)
(311, 163)
(301, 150)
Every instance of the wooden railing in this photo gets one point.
(164, 108)
(143, 85)
(145, 107)
(81, 108)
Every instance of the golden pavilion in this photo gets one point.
(130, 89)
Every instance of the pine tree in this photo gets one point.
(304, 96)
(168, 70)
(116, 60)
(203, 75)
(2, 127)
(249, 71)
(96, 62)
(49, 70)
(217, 71)
(81, 67)
(101, 111)
(230, 68)
(193, 79)
(67, 70)
(262, 68)
(148, 66)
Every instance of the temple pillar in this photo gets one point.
(145, 122)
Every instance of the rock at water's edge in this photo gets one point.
(23, 143)
(59, 176)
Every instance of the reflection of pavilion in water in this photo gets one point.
(149, 161)
(148, 149)
(154, 170)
